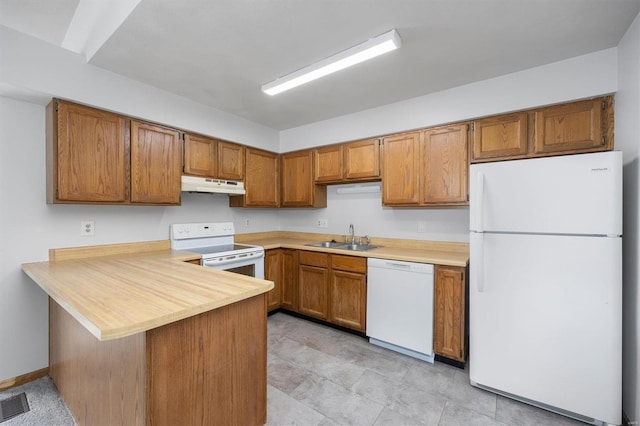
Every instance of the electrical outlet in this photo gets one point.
(422, 226)
(246, 223)
(87, 228)
(322, 223)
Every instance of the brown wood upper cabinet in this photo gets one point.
(574, 127)
(427, 168)
(400, 169)
(200, 154)
(298, 186)
(213, 158)
(571, 128)
(87, 154)
(156, 160)
(349, 162)
(444, 155)
(261, 182)
(95, 156)
(503, 136)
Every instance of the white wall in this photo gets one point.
(41, 71)
(581, 77)
(29, 227)
(34, 70)
(366, 213)
(627, 131)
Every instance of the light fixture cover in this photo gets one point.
(369, 49)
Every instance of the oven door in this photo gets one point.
(252, 266)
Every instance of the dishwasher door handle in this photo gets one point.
(395, 265)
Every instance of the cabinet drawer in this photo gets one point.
(314, 259)
(349, 263)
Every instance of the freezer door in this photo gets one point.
(572, 194)
(545, 320)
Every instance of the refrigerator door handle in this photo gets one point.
(477, 267)
(479, 201)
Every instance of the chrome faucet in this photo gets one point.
(351, 233)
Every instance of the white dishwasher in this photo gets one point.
(400, 307)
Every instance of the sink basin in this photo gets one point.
(327, 244)
(358, 247)
(343, 246)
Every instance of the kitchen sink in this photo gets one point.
(358, 247)
(343, 246)
(327, 244)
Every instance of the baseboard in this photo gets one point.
(21, 380)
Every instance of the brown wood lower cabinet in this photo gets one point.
(348, 292)
(333, 288)
(450, 315)
(281, 267)
(207, 369)
(273, 272)
(290, 279)
(313, 284)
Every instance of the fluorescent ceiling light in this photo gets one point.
(369, 49)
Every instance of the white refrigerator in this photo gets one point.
(545, 313)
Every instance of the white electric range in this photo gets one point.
(215, 242)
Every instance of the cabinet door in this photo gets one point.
(273, 272)
(445, 165)
(200, 156)
(328, 163)
(230, 161)
(500, 137)
(261, 182)
(449, 315)
(290, 279)
(88, 155)
(400, 169)
(570, 128)
(298, 187)
(313, 287)
(348, 299)
(156, 164)
(362, 160)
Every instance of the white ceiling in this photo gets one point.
(220, 52)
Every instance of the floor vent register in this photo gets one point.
(14, 406)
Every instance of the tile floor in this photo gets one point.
(321, 376)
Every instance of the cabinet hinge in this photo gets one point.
(473, 126)
(604, 105)
(604, 140)
(55, 105)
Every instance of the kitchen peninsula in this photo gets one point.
(138, 335)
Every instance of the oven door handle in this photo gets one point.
(235, 259)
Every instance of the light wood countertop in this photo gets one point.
(127, 292)
(434, 252)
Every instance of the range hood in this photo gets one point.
(201, 184)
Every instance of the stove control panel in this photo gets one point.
(181, 231)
